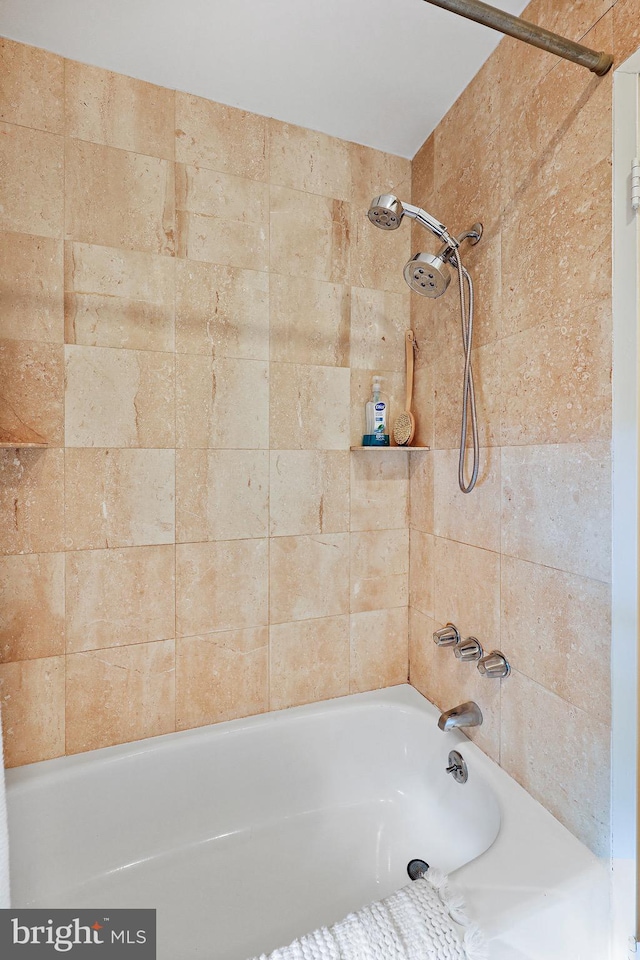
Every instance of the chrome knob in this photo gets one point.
(495, 664)
(447, 637)
(468, 650)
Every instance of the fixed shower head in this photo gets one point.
(428, 274)
(386, 212)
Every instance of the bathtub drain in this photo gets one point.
(417, 868)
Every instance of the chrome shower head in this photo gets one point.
(386, 212)
(428, 274)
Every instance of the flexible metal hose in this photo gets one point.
(468, 391)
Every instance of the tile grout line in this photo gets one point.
(175, 431)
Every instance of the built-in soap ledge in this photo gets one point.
(14, 444)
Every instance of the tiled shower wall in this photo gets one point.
(523, 562)
(193, 302)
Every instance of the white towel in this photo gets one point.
(419, 922)
(4, 835)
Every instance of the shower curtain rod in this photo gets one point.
(598, 63)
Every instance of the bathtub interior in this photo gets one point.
(248, 834)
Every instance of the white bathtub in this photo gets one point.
(247, 834)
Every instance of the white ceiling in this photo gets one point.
(379, 72)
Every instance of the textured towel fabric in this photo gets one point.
(4, 836)
(418, 922)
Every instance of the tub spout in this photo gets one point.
(465, 715)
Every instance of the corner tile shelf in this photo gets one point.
(395, 447)
(10, 445)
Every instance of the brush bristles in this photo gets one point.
(402, 429)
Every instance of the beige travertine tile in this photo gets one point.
(221, 676)
(309, 661)
(374, 172)
(379, 569)
(222, 311)
(468, 186)
(31, 607)
(119, 695)
(572, 21)
(423, 407)
(556, 769)
(118, 199)
(221, 494)
(221, 218)
(626, 29)
(309, 321)
(556, 506)
(220, 138)
(118, 298)
(221, 586)
(308, 577)
(118, 111)
(309, 407)
(379, 649)
(32, 84)
(31, 501)
(576, 223)
(118, 597)
(310, 236)
(393, 387)
(421, 491)
(32, 702)
(556, 380)
(436, 323)
(422, 173)
(448, 374)
(379, 490)
(483, 261)
(31, 181)
(446, 682)
(378, 257)
(118, 498)
(31, 392)
(556, 630)
(467, 590)
(309, 492)
(469, 518)
(119, 398)
(222, 403)
(421, 571)
(306, 160)
(31, 288)
(379, 322)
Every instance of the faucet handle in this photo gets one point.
(447, 636)
(495, 664)
(469, 649)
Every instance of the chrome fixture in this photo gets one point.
(457, 767)
(466, 714)
(469, 650)
(429, 275)
(417, 868)
(447, 637)
(598, 63)
(495, 664)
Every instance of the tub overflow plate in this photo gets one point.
(457, 767)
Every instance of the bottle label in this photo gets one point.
(380, 417)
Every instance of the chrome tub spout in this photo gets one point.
(465, 715)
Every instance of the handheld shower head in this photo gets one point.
(386, 212)
(428, 274)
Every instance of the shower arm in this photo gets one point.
(426, 220)
(598, 63)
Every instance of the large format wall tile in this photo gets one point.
(220, 138)
(379, 569)
(421, 571)
(379, 490)
(467, 590)
(221, 494)
(378, 649)
(374, 172)
(31, 288)
(221, 586)
(306, 160)
(222, 311)
(309, 661)
(31, 501)
(469, 518)
(309, 321)
(31, 181)
(309, 235)
(118, 695)
(118, 198)
(119, 398)
(118, 597)
(118, 498)
(221, 676)
(309, 492)
(118, 111)
(32, 610)
(309, 407)
(308, 577)
(32, 83)
(118, 298)
(32, 695)
(379, 322)
(31, 392)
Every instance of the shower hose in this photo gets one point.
(468, 392)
